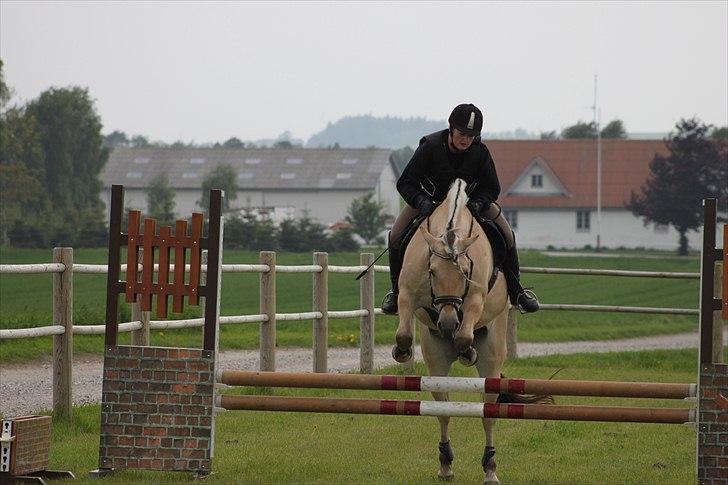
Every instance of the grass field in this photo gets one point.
(258, 447)
(25, 301)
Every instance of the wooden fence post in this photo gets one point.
(63, 344)
(268, 307)
(140, 337)
(366, 322)
(717, 318)
(321, 304)
(512, 334)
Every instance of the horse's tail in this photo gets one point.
(506, 398)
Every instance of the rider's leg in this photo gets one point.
(396, 254)
(524, 299)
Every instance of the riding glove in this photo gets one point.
(425, 206)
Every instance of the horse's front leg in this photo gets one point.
(472, 310)
(402, 351)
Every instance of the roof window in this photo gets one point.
(189, 175)
(294, 161)
(197, 161)
(246, 175)
(252, 161)
(343, 176)
(141, 160)
(350, 161)
(133, 175)
(288, 175)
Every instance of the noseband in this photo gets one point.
(438, 302)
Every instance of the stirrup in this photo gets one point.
(392, 308)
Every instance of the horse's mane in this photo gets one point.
(449, 219)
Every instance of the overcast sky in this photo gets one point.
(204, 72)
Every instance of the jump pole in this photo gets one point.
(462, 409)
(458, 384)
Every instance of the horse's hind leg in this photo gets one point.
(439, 356)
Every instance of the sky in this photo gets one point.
(205, 72)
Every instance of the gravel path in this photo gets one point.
(27, 388)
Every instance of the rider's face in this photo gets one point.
(460, 140)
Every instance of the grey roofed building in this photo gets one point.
(320, 181)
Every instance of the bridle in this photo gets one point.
(439, 302)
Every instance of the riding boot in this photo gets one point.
(389, 304)
(526, 300)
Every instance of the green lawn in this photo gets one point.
(259, 447)
(25, 301)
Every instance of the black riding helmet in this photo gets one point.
(467, 118)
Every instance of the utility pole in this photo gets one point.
(597, 120)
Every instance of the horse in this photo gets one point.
(449, 282)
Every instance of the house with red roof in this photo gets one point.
(549, 193)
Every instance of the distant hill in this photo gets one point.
(389, 132)
(366, 131)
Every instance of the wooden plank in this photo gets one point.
(165, 240)
(195, 251)
(725, 272)
(114, 266)
(63, 343)
(140, 337)
(707, 267)
(150, 229)
(132, 255)
(321, 304)
(180, 234)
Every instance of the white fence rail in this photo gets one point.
(63, 328)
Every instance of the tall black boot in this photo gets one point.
(526, 300)
(389, 304)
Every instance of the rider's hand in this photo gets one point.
(478, 206)
(425, 206)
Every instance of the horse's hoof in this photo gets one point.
(401, 355)
(469, 357)
(446, 475)
(491, 480)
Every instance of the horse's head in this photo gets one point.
(450, 269)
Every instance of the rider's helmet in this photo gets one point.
(467, 118)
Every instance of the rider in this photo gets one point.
(442, 157)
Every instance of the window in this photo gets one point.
(141, 160)
(288, 175)
(349, 161)
(342, 176)
(583, 222)
(246, 175)
(252, 161)
(197, 161)
(133, 175)
(294, 161)
(512, 218)
(189, 175)
(537, 180)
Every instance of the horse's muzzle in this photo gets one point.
(449, 321)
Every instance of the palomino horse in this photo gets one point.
(447, 282)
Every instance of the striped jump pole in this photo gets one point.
(459, 384)
(463, 409)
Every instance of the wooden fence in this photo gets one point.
(63, 329)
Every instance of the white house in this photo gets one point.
(549, 193)
(322, 182)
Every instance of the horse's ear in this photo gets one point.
(465, 243)
(431, 240)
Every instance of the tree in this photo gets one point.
(580, 130)
(233, 142)
(696, 168)
(720, 133)
(116, 139)
(5, 91)
(367, 217)
(614, 129)
(74, 155)
(222, 177)
(548, 135)
(139, 141)
(160, 200)
(22, 202)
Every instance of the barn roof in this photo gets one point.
(301, 168)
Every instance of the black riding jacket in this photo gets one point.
(433, 168)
